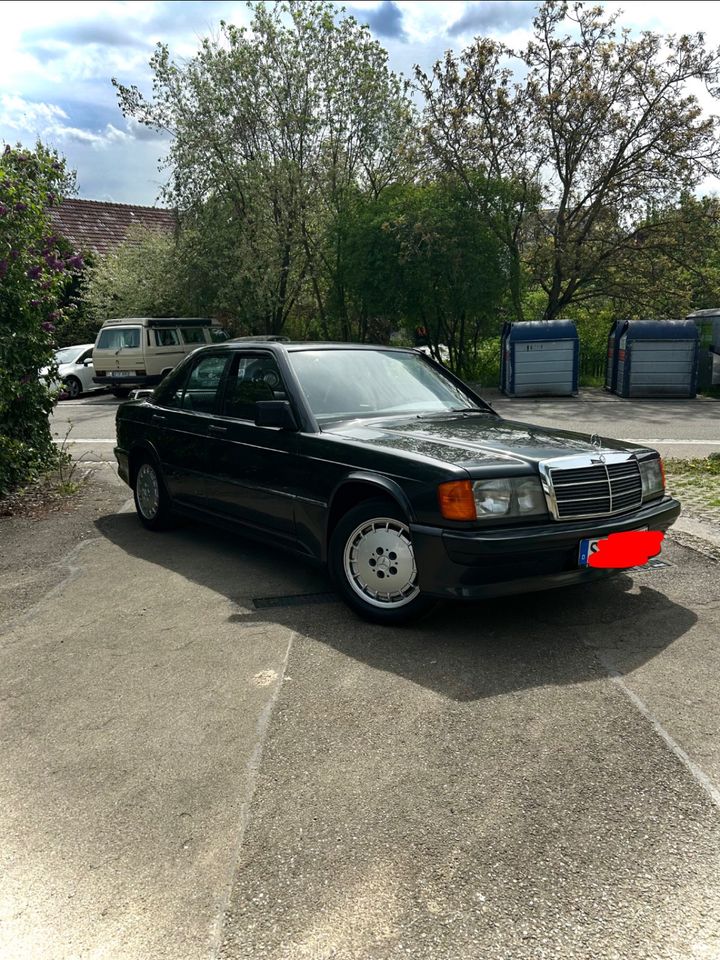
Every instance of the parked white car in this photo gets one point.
(76, 371)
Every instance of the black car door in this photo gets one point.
(182, 429)
(256, 468)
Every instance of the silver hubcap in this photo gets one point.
(148, 491)
(380, 564)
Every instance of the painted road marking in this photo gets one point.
(697, 772)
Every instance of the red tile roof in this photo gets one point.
(100, 227)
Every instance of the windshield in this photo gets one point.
(68, 355)
(119, 338)
(344, 384)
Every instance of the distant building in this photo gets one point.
(99, 227)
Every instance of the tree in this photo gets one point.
(141, 278)
(34, 269)
(607, 125)
(476, 127)
(271, 126)
(422, 254)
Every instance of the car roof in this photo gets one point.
(293, 346)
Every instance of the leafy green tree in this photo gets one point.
(423, 255)
(143, 277)
(607, 126)
(34, 270)
(271, 127)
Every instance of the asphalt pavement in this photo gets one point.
(205, 755)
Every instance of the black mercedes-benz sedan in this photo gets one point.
(380, 463)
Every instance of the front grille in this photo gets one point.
(596, 490)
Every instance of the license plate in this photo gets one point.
(122, 373)
(590, 546)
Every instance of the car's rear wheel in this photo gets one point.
(372, 562)
(151, 499)
(72, 388)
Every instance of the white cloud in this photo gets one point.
(48, 122)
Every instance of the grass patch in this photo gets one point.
(697, 467)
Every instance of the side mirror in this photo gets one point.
(139, 394)
(275, 413)
(87, 362)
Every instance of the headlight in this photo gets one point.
(517, 497)
(492, 497)
(496, 497)
(652, 475)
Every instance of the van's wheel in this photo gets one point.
(151, 498)
(372, 563)
(72, 387)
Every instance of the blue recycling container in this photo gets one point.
(657, 358)
(540, 358)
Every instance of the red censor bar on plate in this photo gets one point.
(631, 549)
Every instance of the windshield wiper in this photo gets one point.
(465, 411)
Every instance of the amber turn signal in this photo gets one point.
(456, 500)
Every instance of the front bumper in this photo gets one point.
(470, 565)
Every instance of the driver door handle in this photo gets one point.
(215, 429)
(158, 418)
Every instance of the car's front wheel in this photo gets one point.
(372, 562)
(151, 499)
(72, 388)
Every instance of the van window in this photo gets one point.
(166, 338)
(119, 338)
(193, 334)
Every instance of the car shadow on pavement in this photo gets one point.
(463, 651)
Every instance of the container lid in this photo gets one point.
(543, 330)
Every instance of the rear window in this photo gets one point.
(119, 338)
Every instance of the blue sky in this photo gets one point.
(58, 59)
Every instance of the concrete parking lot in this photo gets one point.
(204, 755)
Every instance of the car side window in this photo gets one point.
(202, 385)
(166, 338)
(86, 355)
(193, 334)
(252, 378)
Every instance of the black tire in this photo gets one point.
(122, 393)
(349, 542)
(153, 515)
(73, 388)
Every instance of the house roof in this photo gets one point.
(94, 225)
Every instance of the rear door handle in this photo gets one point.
(213, 429)
(158, 418)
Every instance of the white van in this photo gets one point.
(133, 352)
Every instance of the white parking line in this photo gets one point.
(697, 773)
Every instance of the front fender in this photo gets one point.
(382, 484)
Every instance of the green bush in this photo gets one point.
(34, 270)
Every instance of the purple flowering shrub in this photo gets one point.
(34, 270)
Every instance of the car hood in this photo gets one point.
(474, 440)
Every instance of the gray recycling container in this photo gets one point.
(657, 358)
(708, 324)
(540, 358)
